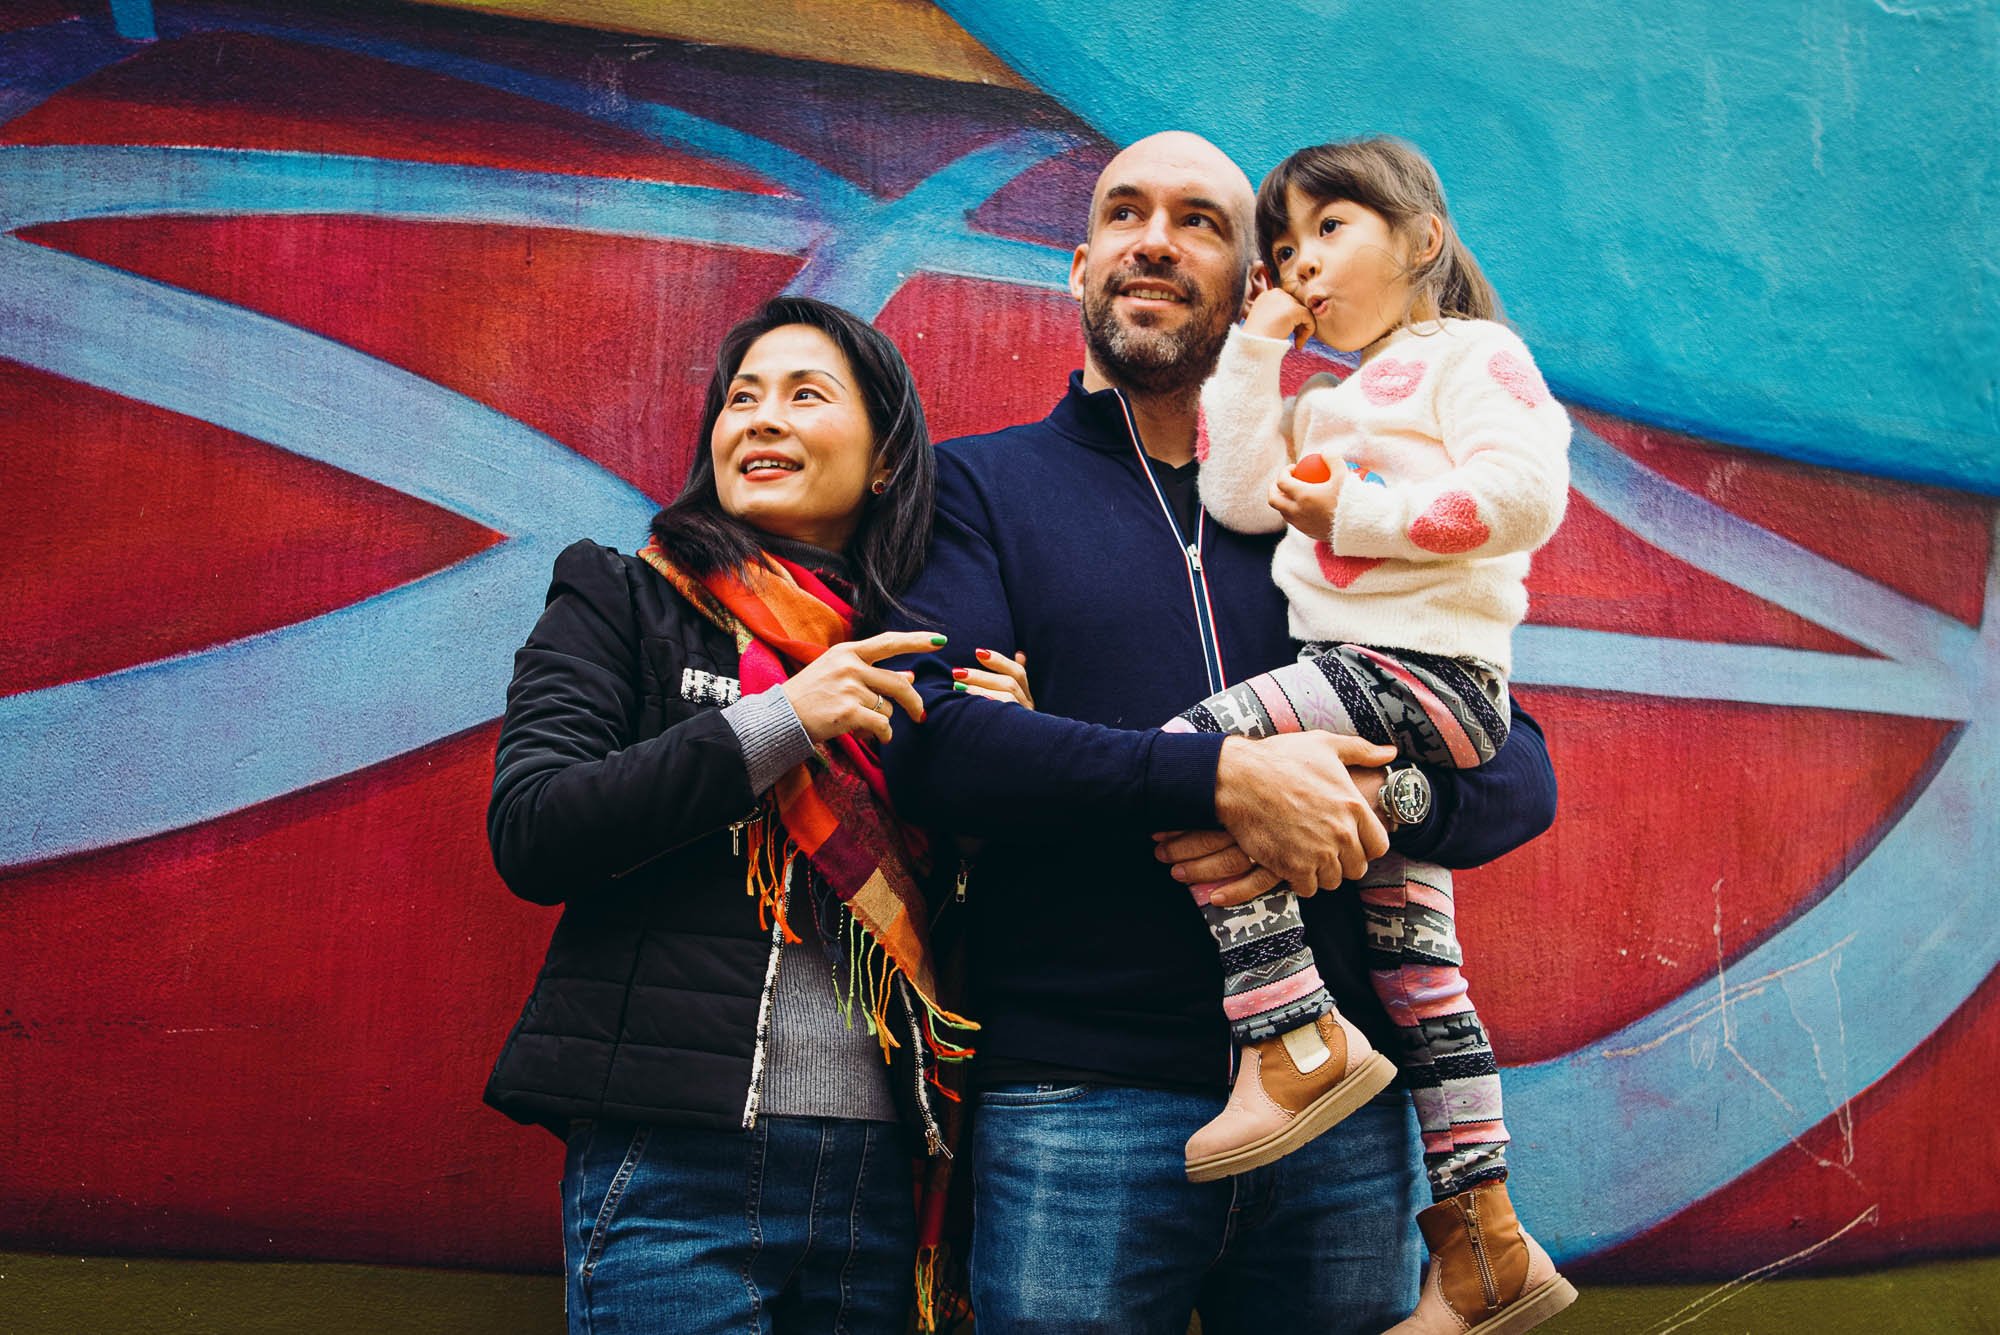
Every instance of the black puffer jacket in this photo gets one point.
(615, 785)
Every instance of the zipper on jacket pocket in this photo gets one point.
(736, 829)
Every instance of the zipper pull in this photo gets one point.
(1194, 557)
(736, 829)
(964, 874)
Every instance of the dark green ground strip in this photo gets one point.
(66, 1295)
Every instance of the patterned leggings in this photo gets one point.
(1443, 711)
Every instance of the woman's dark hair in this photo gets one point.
(1397, 181)
(888, 545)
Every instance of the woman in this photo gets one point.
(687, 725)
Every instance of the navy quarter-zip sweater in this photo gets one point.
(1083, 953)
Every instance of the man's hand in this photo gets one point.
(1214, 855)
(1295, 811)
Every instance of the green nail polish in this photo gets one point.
(958, 686)
(938, 641)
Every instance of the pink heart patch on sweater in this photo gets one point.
(1452, 525)
(1518, 378)
(1341, 571)
(1386, 380)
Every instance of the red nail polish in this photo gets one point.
(982, 653)
(958, 674)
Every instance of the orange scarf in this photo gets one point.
(834, 810)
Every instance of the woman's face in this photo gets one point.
(794, 453)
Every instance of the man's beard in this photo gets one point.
(1157, 361)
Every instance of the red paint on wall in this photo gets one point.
(605, 343)
(134, 533)
(1926, 543)
(34, 13)
(1672, 811)
(1597, 575)
(236, 90)
(286, 1020)
(985, 355)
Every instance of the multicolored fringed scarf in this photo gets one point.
(834, 810)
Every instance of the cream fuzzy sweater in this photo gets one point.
(1474, 454)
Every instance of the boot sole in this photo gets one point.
(1329, 1110)
(1531, 1310)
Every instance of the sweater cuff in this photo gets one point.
(1368, 522)
(774, 740)
(1180, 779)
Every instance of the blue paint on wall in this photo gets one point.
(1773, 225)
(134, 19)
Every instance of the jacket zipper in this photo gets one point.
(964, 875)
(933, 1138)
(751, 1096)
(1204, 618)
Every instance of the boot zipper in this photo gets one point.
(1204, 617)
(1486, 1284)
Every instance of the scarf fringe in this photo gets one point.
(937, 1300)
(768, 871)
(871, 978)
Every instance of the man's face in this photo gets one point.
(1163, 275)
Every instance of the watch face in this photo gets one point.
(1408, 797)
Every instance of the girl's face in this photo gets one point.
(1346, 265)
(793, 451)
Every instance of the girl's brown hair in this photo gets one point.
(1397, 181)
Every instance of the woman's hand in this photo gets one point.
(842, 690)
(997, 678)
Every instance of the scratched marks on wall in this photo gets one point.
(320, 331)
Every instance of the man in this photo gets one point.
(1079, 539)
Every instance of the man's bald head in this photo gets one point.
(1201, 171)
(1166, 265)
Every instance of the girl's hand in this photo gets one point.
(997, 678)
(842, 690)
(1309, 507)
(1276, 314)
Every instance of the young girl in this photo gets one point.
(1441, 463)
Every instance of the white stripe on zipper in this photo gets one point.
(1204, 618)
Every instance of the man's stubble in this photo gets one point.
(1158, 362)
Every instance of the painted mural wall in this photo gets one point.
(324, 326)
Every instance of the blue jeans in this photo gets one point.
(1084, 1220)
(802, 1224)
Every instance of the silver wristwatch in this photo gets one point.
(1405, 797)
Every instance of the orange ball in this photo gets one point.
(1312, 468)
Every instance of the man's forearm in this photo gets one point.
(983, 767)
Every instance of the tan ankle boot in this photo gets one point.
(1275, 1107)
(1486, 1276)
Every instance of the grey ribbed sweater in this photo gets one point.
(814, 1064)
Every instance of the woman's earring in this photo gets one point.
(879, 485)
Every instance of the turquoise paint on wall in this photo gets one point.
(1772, 224)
